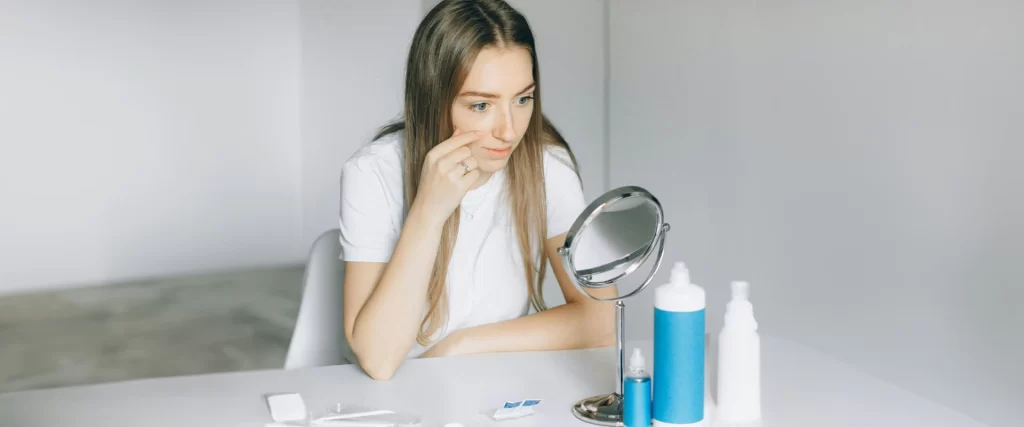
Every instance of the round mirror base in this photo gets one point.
(602, 410)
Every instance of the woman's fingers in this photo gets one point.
(451, 161)
(459, 170)
(471, 163)
(457, 141)
(469, 178)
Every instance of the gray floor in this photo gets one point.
(211, 323)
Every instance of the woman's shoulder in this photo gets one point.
(370, 216)
(559, 162)
(381, 156)
(372, 176)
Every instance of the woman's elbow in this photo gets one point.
(377, 367)
(379, 371)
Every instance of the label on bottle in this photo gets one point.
(678, 366)
(636, 404)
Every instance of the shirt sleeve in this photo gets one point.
(367, 230)
(565, 199)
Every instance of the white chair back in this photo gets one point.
(319, 337)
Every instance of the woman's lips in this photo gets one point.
(499, 151)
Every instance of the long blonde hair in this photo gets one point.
(444, 47)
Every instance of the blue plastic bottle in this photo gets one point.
(679, 351)
(636, 390)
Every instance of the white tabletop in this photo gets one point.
(801, 387)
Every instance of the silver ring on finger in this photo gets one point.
(465, 167)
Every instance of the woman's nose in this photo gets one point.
(504, 128)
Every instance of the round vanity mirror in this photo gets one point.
(613, 238)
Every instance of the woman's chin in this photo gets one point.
(492, 166)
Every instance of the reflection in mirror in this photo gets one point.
(616, 238)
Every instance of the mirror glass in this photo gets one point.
(614, 236)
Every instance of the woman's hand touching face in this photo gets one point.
(449, 171)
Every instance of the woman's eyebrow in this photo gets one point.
(491, 95)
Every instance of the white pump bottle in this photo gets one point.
(739, 362)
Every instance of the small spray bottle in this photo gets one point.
(739, 361)
(636, 411)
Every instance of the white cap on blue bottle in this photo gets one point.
(636, 361)
(679, 294)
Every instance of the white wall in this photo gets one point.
(158, 138)
(146, 138)
(856, 161)
(353, 70)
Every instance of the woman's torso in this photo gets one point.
(486, 281)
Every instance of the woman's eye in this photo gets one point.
(525, 99)
(478, 107)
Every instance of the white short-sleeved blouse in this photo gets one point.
(486, 282)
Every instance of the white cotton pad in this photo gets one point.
(286, 407)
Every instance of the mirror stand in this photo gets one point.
(606, 409)
(628, 211)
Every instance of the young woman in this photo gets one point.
(451, 215)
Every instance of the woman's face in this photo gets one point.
(496, 98)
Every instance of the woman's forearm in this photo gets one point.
(569, 326)
(386, 327)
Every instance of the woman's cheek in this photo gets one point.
(523, 121)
